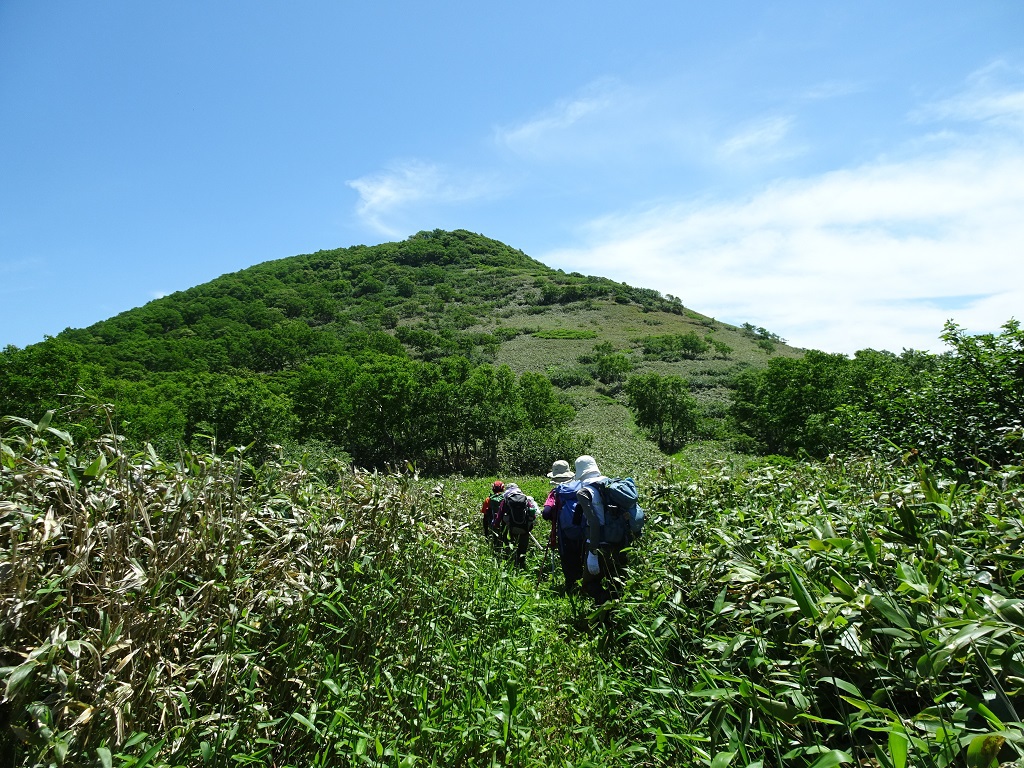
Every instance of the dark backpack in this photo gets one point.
(623, 516)
(571, 524)
(493, 520)
(516, 513)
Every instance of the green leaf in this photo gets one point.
(869, 546)
(984, 751)
(149, 754)
(778, 709)
(60, 434)
(720, 601)
(73, 477)
(19, 420)
(97, 468)
(843, 685)
(135, 738)
(106, 761)
(305, 721)
(885, 607)
(912, 579)
(19, 677)
(832, 758)
(843, 587)
(898, 746)
(722, 759)
(808, 607)
(982, 709)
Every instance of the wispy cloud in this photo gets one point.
(877, 254)
(994, 95)
(758, 138)
(384, 197)
(548, 130)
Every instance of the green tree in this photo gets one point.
(543, 408)
(609, 366)
(384, 403)
(663, 406)
(238, 410)
(321, 398)
(33, 379)
(790, 405)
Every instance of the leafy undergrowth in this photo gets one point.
(207, 612)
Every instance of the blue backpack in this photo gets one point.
(571, 524)
(623, 516)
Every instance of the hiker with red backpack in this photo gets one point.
(568, 526)
(490, 511)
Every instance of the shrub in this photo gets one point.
(530, 451)
(565, 333)
(570, 376)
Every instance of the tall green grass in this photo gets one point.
(206, 611)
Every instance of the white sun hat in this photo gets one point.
(560, 471)
(586, 469)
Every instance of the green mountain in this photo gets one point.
(301, 349)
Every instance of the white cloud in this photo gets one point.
(760, 137)
(994, 96)
(387, 196)
(843, 261)
(549, 130)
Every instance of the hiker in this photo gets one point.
(604, 560)
(493, 529)
(560, 473)
(568, 526)
(518, 514)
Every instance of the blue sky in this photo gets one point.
(847, 175)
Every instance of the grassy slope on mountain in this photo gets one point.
(439, 281)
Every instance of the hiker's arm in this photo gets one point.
(548, 513)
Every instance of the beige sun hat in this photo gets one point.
(586, 469)
(560, 471)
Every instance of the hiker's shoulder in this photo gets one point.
(592, 487)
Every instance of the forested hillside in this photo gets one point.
(441, 349)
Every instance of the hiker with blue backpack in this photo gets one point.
(568, 526)
(613, 519)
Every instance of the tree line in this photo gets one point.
(961, 408)
(378, 408)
